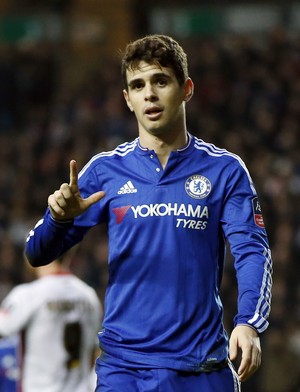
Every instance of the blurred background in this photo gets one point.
(61, 98)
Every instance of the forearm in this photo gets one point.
(254, 275)
(50, 239)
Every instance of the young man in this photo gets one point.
(170, 201)
(58, 317)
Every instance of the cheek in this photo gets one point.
(175, 106)
(174, 99)
(136, 108)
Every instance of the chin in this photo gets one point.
(157, 131)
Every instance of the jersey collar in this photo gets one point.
(183, 150)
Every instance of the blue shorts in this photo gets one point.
(112, 378)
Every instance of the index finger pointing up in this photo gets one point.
(73, 175)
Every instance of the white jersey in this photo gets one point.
(60, 316)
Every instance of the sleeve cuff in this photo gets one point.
(257, 322)
(59, 223)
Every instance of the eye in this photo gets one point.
(161, 82)
(137, 86)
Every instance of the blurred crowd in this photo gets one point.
(247, 99)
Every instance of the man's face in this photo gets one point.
(156, 98)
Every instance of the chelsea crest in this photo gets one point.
(198, 186)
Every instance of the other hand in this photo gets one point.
(245, 340)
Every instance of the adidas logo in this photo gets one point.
(127, 188)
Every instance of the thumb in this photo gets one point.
(94, 198)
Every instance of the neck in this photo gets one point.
(53, 268)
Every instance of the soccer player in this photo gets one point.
(57, 316)
(170, 201)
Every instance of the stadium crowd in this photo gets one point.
(247, 99)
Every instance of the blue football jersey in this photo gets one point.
(167, 232)
(10, 364)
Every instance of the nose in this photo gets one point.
(150, 93)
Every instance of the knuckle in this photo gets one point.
(56, 194)
(64, 186)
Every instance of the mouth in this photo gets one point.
(153, 112)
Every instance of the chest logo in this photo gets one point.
(197, 186)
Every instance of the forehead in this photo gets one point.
(145, 70)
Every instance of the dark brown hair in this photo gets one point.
(155, 49)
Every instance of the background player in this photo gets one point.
(58, 315)
(170, 201)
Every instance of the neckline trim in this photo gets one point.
(183, 149)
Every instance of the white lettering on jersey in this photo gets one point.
(191, 224)
(164, 209)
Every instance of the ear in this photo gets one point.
(188, 89)
(127, 99)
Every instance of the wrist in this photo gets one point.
(58, 219)
(62, 222)
(247, 325)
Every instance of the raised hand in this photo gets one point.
(66, 203)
